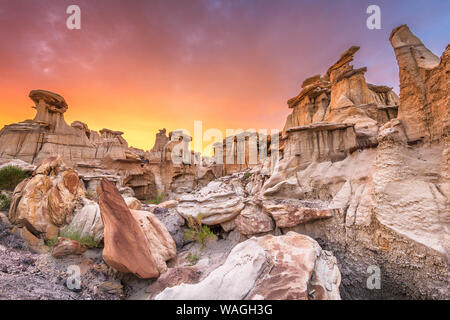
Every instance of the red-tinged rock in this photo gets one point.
(126, 247)
(64, 247)
(286, 215)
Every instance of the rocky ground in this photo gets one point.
(26, 274)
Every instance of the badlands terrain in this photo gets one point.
(361, 183)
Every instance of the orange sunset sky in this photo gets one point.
(138, 66)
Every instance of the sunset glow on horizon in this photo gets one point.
(139, 66)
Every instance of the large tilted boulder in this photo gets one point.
(291, 266)
(46, 201)
(134, 242)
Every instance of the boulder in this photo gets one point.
(134, 242)
(46, 201)
(64, 247)
(168, 204)
(218, 202)
(288, 267)
(87, 221)
(291, 213)
(174, 277)
(133, 203)
(252, 220)
(159, 240)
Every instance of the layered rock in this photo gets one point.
(289, 267)
(220, 201)
(253, 220)
(175, 167)
(424, 83)
(46, 201)
(135, 242)
(382, 201)
(342, 96)
(94, 154)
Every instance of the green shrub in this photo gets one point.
(197, 231)
(193, 258)
(51, 242)
(10, 177)
(90, 195)
(89, 242)
(157, 200)
(5, 202)
(248, 175)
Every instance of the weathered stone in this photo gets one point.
(291, 267)
(217, 203)
(168, 204)
(424, 83)
(126, 249)
(174, 277)
(159, 240)
(252, 220)
(288, 215)
(46, 201)
(133, 203)
(173, 222)
(64, 247)
(87, 221)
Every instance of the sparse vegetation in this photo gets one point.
(5, 202)
(10, 177)
(90, 195)
(89, 242)
(157, 200)
(197, 231)
(51, 242)
(248, 175)
(193, 258)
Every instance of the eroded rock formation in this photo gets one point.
(288, 267)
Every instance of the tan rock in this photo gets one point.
(126, 249)
(168, 204)
(87, 222)
(252, 220)
(292, 267)
(47, 200)
(289, 215)
(133, 203)
(64, 247)
(159, 240)
(217, 203)
(424, 82)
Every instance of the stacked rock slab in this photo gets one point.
(342, 96)
(177, 169)
(97, 155)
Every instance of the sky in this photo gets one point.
(141, 65)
